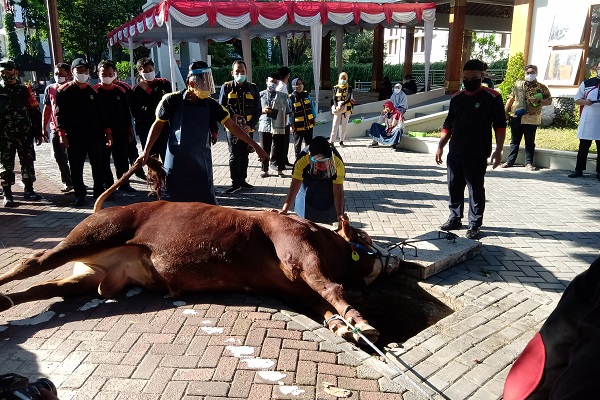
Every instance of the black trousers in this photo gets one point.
(79, 149)
(466, 172)
(62, 160)
(238, 160)
(582, 153)
(275, 146)
(517, 132)
(119, 152)
(132, 151)
(305, 135)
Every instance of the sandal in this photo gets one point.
(530, 167)
(506, 165)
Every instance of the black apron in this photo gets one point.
(314, 200)
(188, 161)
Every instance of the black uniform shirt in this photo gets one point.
(79, 111)
(144, 102)
(116, 105)
(470, 120)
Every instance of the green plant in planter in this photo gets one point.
(514, 72)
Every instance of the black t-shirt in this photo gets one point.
(172, 101)
(79, 110)
(116, 106)
(144, 102)
(470, 120)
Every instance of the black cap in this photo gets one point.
(80, 62)
(320, 145)
(474, 65)
(7, 65)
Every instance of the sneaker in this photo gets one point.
(127, 188)
(373, 144)
(66, 188)
(233, 189)
(79, 202)
(273, 167)
(530, 167)
(575, 174)
(473, 232)
(451, 224)
(264, 174)
(342, 144)
(506, 165)
(281, 174)
(30, 194)
(247, 186)
(8, 201)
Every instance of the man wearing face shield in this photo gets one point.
(524, 113)
(82, 128)
(473, 113)
(144, 100)
(20, 121)
(190, 114)
(62, 74)
(317, 187)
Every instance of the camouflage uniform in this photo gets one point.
(20, 117)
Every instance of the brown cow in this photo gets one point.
(196, 247)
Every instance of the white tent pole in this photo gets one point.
(339, 47)
(203, 45)
(172, 63)
(130, 46)
(428, 41)
(110, 55)
(284, 49)
(247, 52)
(316, 42)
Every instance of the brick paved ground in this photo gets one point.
(540, 230)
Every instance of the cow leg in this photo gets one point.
(39, 262)
(74, 285)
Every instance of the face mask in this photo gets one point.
(201, 94)
(397, 91)
(107, 80)
(9, 78)
(299, 88)
(530, 77)
(342, 81)
(149, 76)
(271, 86)
(240, 78)
(61, 79)
(471, 86)
(82, 78)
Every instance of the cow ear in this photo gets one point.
(345, 230)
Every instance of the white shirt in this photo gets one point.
(589, 122)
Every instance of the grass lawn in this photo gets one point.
(547, 138)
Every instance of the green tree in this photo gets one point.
(299, 51)
(13, 48)
(85, 23)
(514, 72)
(485, 48)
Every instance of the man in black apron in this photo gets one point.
(190, 114)
(317, 183)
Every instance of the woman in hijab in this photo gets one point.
(399, 99)
(341, 108)
(389, 128)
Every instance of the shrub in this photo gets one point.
(514, 72)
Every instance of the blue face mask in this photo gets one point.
(271, 86)
(342, 81)
(240, 78)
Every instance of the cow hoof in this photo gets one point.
(368, 331)
(5, 303)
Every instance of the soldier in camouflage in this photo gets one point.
(20, 120)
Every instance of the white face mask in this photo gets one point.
(107, 80)
(342, 81)
(530, 77)
(149, 76)
(271, 86)
(61, 79)
(397, 90)
(240, 78)
(82, 78)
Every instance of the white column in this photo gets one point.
(428, 41)
(110, 55)
(339, 47)
(130, 46)
(195, 52)
(316, 36)
(247, 52)
(172, 63)
(284, 49)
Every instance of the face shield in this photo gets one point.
(322, 167)
(204, 79)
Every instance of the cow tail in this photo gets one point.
(156, 176)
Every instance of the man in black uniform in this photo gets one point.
(116, 105)
(242, 99)
(146, 96)
(83, 129)
(472, 114)
(20, 120)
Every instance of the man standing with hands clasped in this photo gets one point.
(473, 113)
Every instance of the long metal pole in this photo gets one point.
(56, 51)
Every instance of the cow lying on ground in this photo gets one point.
(195, 247)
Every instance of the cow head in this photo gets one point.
(362, 248)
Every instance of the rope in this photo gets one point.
(390, 361)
